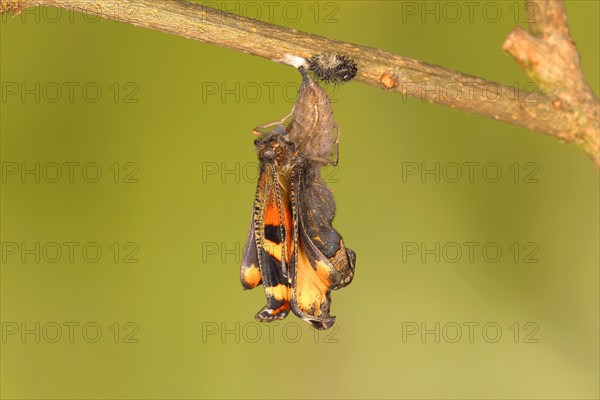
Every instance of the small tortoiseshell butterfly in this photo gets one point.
(292, 247)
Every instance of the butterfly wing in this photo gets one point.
(317, 211)
(250, 274)
(311, 271)
(272, 227)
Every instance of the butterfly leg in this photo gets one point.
(337, 146)
(261, 128)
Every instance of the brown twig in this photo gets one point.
(549, 56)
(566, 109)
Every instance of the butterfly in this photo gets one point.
(292, 247)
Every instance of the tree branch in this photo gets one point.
(549, 56)
(567, 108)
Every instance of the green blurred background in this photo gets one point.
(173, 129)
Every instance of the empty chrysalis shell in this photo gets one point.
(312, 126)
